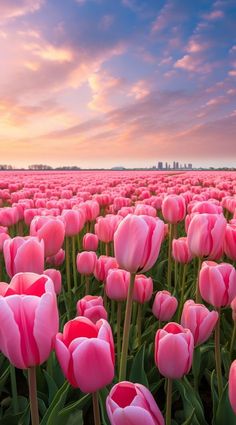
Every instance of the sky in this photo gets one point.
(103, 83)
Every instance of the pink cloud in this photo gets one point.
(214, 15)
(15, 8)
(193, 64)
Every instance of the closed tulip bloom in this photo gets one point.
(3, 238)
(85, 352)
(230, 240)
(106, 227)
(132, 404)
(91, 306)
(90, 242)
(143, 288)
(164, 306)
(85, 262)
(8, 216)
(206, 235)
(117, 284)
(23, 254)
(103, 264)
(55, 276)
(57, 259)
(180, 251)
(199, 320)
(217, 283)
(51, 230)
(92, 210)
(137, 242)
(173, 208)
(29, 319)
(174, 347)
(73, 221)
(232, 386)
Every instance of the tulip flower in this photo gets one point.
(137, 242)
(85, 352)
(90, 242)
(51, 230)
(132, 404)
(91, 306)
(173, 208)
(55, 275)
(173, 356)
(206, 235)
(217, 283)
(199, 320)
(164, 306)
(23, 254)
(117, 284)
(86, 262)
(230, 240)
(180, 250)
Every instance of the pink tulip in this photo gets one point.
(51, 230)
(230, 240)
(90, 242)
(85, 352)
(117, 284)
(103, 265)
(23, 254)
(86, 262)
(3, 238)
(232, 386)
(174, 350)
(173, 208)
(164, 306)
(180, 250)
(91, 306)
(132, 404)
(29, 319)
(217, 283)
(57, 259)
(106, 227)
(137, 242)
(206, 235)
(73, 221)
(55, 276)
(143, 288)
(199, 320)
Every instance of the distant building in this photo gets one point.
(118, 168)
(160, 165)
(190, 166)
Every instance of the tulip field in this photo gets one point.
(118, 298)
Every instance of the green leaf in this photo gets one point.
(137, 373)
(50, 417)
(189, 419)
(69, 412)
(224, 413)
(214, 395)
(3, 378)
(102, 403)
(52, 386)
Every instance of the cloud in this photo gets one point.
(15, 8)
(102, 85)
(214, 15)
(193, 64)
(106, 22)
(140, 90)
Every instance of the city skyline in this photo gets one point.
(96, 83)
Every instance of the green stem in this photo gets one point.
(68, 265)
(87, 285)
(125, 342)
(168, 401)
(74, 261)
(119, 305)
(182, 291)
(107, 249)
(96, 412)
(139, 324)
(169, 257)
(33, 395)
(176, 275)
(218, 356)
(198, 295)
(232, 341)
(14, 389)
